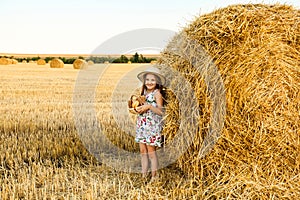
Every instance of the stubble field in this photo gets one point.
(41, 154)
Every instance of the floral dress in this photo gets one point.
(149, 124)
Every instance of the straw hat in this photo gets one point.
(152, 70)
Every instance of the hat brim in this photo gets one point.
(141, 76)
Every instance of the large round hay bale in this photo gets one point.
(41, 62)
(256, 50)
(80, 64)
(56, 63)
(5, 61)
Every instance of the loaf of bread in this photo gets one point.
(136, 101)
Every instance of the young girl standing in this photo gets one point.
(149, 119)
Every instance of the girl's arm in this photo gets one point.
(158, 110)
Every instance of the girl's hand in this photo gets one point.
(143, 108)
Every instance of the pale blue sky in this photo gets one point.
(79, 26)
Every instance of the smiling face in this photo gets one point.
(150, 82)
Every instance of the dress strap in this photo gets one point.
(150, 92)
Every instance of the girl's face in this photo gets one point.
(150, 81)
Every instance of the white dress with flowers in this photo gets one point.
(149, 124)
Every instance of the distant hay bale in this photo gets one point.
(14, 61)
(56, 63)
(129, 62)
(24, 61)
(90, 62)
(80, 64)
(5, 61)
(31, 61)
(256, 51)
(41, 62)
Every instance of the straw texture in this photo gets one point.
(41, 62)
(56, 63)
(80, 64)
(5, 61)
(256, 51)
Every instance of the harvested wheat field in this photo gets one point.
(42, 156)
(233, 94)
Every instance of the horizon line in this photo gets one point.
(42, 55)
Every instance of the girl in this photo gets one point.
(149, 120)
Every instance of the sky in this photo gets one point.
(80, 26)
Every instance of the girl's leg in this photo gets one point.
(144, 161)
(153, 158)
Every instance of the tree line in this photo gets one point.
(136, 58)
